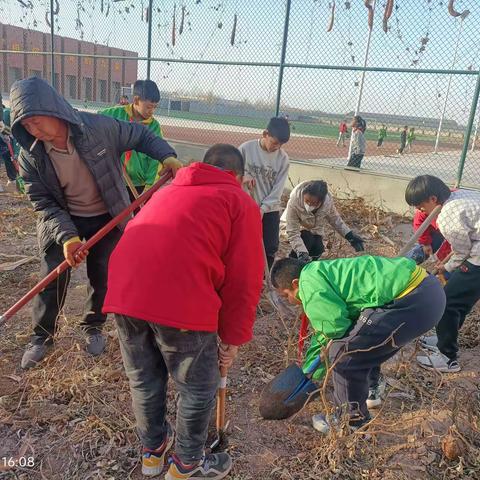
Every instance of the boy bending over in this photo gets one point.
(366, 308)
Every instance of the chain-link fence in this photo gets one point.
(409, 68)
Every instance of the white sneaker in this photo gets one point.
(439, 362)
(376, 393)
(429, 342)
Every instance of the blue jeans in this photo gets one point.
(150, 353)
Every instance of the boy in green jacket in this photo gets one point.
(364, 309)
(142, 170)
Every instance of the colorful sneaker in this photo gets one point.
(153, 461)
(439, 362)
(376, 393)
(429, 342)
(212, 467)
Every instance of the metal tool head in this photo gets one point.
(286, 394)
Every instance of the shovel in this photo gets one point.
(288, 392)
(86, 246)
(219, 442)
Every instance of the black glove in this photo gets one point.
(303, 256)
(355, 241)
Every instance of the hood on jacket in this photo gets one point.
(297, 197)
(204, 174)
(34, 96)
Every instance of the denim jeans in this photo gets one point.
(150, 353)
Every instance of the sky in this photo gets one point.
(207, 35)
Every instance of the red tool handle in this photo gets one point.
(86, 246)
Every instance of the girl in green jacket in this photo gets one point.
(362, 310)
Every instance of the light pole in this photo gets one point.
(362, 76)
(450, 78)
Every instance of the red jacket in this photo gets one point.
(426, 237)
(192, 258)
(343, 128)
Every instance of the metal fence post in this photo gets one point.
(468, 131)
(282, 58)
(52, 42)
(149, 45)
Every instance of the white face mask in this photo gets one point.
(309, 208)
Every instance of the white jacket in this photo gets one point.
(299, 219)
(459, 223)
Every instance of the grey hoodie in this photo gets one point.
(299, 219)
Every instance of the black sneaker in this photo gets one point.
(376, 393)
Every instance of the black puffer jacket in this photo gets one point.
(100, 142)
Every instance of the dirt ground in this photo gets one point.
(299, 148)
(72, 417)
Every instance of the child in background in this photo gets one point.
(358, 142)
(142, 170)
(266, 167)
(459, 223)
(342, 133)
(362, 311)
(403, 140)
(410, 139)
(309, 208)
(382, 134)
(430, 242)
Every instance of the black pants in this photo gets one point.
(380, 142)
(355, 160)
(271, 234)
(47, 305)
(314, 244)
(139, 190)
(377, 336)
(462, 291)
(9, 166)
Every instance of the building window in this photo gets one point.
(35, 73)
(116, 91)
(87, 89)
(71, 86)
(14, 74)
(102, 91)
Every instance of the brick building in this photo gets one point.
(76, 78)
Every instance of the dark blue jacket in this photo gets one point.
(100, 142)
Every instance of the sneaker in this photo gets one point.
(95, 343)
(11, 186)
(33, 355)
(439, 362)
(153, 461)
(212, 467)
(429, 342)
(324, 423)
(376, 393)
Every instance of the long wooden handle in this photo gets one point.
(86, 246)
(221, 400)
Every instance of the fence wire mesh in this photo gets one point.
(225, 67)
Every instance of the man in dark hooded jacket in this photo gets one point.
(70, 162)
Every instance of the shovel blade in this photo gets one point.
(286, 394)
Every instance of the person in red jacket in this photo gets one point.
(430, 242)
(189, 267)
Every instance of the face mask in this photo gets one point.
(309, 208)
